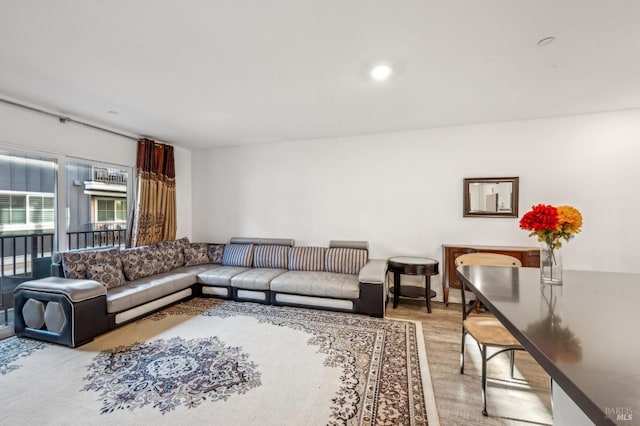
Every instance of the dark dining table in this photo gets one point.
(585, 333)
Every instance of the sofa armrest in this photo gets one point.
(74, 290)
(374, 272)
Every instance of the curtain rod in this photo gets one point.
(64, 119)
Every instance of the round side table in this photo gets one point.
(409, 265)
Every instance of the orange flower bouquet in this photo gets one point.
(551, 225)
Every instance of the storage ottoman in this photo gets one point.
(60, 310)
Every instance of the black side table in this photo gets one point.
(408, 265)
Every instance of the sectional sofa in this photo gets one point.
(93, 291)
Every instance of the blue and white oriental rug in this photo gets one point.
(207, 361)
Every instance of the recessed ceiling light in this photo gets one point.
(545, 41)
(381, 72)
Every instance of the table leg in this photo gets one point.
(396, 289)
(427, 286)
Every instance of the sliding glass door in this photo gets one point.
(27, 224)
(97, 204)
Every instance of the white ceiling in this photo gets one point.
(201, 73)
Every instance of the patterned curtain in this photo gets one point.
(154, 214)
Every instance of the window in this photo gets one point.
(96, 204)
(12, 209)
(41, 209)
(112, 210)
(15, 216)
(27, 224)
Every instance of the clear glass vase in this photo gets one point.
(550, 264)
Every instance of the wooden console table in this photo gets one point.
(529, 256)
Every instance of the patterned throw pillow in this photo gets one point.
(108, 274)
(271, 256)
(74, 263)
(306, 258)
(173, 252)
(215, 253)
(183, 243)
(345, 260)
(196, 254)
(238, 255)
(140, 262)
(104, 256)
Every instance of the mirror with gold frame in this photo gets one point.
(491, 197)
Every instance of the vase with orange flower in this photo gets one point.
(551, 225)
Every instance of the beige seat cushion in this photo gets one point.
(147, 289)
(256, 279)
(221, 275)
(317, 283)
(127, 297)
(487, 330)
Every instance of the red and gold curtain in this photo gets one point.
(154, 215)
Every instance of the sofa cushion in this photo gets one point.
(108, 274)
(220, 276)
(316, 283)
(172, 257)
(148, 289)
(271, 256)
(345, 260)
(306, 258)
(238, 255)
(182, 243)
(140, 262)
(256, 278)
(74, 263)
(173, 252)
(215, 253)
(196, 254)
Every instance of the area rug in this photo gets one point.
(207, 361)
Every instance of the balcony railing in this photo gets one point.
(22, 257)
(97, 238)
(18, 251)
(109, 175)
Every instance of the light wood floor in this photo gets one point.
(458, 396)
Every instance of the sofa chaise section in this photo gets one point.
(139, 280)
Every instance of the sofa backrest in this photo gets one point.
(345, 260)
(174, 251)
(75, 262)
(238, 255)
(141, 262)
(271, 256)
(137, 262)
(257, 252)
(307, 258)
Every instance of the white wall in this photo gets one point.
(402, 192)
(21, 129)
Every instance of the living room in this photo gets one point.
(399, 188)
